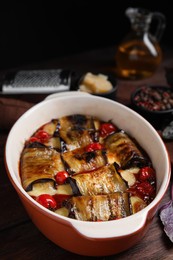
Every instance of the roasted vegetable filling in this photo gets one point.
(84, 168)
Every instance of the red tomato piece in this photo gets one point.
(42, 135)
(146, 174)
(33, 139)
(145, 188)
(47, 201)
(61, 177)
(107, 129)
(93, 146)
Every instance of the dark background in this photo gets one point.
(34, 31)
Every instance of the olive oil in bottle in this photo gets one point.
(139, 54)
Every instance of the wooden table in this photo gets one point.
(19, 238)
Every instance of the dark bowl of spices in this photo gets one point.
(155, 103)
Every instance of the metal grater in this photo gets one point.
(37, 81)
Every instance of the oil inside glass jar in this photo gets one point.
(136, 61)
(139, 54)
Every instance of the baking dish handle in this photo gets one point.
(110, 229)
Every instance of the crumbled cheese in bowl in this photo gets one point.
(92, 83)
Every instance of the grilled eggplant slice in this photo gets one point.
(79, 160)
(99, 207)
(104, 180)
(53, 140)
(55, 143)
(51, 127)
(39, 165)
(122, 150)
(78, 130)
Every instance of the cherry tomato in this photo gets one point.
(93, 146)
(145, 188)
(47, 201)
(42, 135)
(33, 139)
(107, 129)
(146, 174)
(61, 177)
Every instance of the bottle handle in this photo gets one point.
(161, 24)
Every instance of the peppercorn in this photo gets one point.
(157, 99)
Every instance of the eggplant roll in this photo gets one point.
(79, 160)
(52, 127)
(122, 150)
(99, 207)
(39, 165)
(104, 180)
(78, 130)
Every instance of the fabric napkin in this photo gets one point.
(11, 110)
